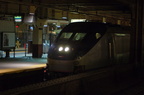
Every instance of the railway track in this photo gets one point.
(25, 82)
(19, 79)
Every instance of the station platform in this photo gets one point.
(21, 63)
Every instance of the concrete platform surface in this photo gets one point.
(11, 65)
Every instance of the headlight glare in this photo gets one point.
(64, 49)
(60, 49)
(67, 49)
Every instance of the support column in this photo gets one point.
(139, 29)
(37, 47)
(7, 53)
(136, 35)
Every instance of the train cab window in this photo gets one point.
(65, 35)
(98, 35)
(79, 36)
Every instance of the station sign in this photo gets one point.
(18, 18)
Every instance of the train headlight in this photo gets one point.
(60, 49)
(66, 49)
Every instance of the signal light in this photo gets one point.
(17, 26)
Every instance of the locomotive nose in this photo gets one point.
(61, 52)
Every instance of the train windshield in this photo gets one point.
(78, 36)
(65, 35)
(72, 36)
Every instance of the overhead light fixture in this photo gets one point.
(78, 20)
(64, 17)
(29, 19)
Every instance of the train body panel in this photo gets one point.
(61, 65)
(89, 45)
(120, 44)
(122, 48)
(98, 56)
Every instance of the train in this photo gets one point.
(84, 46)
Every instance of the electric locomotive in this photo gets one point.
(85, 46)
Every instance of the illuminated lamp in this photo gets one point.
(60, 49)
(29, 19)
(17, 26)
(66, 49)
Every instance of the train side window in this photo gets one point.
(98, 35)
